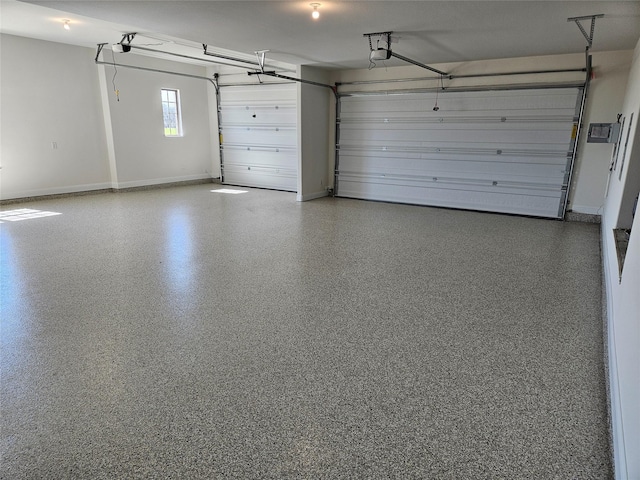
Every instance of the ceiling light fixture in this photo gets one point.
(315, 14)
(66, 25)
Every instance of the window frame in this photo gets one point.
(167, 128)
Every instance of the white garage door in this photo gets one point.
(258, 136)
(502, 151)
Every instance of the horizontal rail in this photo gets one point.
(180, 55)
(453, 77)
(247, 84)
(229, 58)
(156, 70)
(300, 80)
(479, 88)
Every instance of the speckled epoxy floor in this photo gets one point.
(180, 333)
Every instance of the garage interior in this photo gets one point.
(396, 240)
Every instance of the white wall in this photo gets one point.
(143, 155)
(50, 93)
(313, 134)
(623, 294)
(604, 102)
(54, 92)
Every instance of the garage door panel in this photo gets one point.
(460, 124)
(461, 148)
(553, 169)
(440, 186)
(532, 102)
(243, 117)
(496, 171)
(498, 136)
(453, 158)
(258, 134)
(258, 156)
(261, 177)
(515, 119)
(533, 202)
(508, 149)
(256, 93)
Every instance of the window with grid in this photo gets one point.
(171, 113)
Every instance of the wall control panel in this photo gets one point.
(603, 133)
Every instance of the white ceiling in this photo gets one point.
(427, 31)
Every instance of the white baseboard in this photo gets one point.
(71, 189)
(587, 209)
(55, 191)
(311, 196)
(160, 181)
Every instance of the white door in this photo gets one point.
(258, 136)
(502, 151)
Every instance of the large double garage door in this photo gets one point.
(258, 136)
(501, 151)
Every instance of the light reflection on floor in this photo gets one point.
(179, 250)
(14, 302)
(24, 214)
(229, 190)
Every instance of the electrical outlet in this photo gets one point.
(54, 145)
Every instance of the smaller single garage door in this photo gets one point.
(504, 151)
(258, 137)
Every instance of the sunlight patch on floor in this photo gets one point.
(24, 214)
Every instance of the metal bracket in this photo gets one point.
(215, 82)
(589, 37)
(379, 34)
(260, 54)
(100, 47)
(127, 38)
